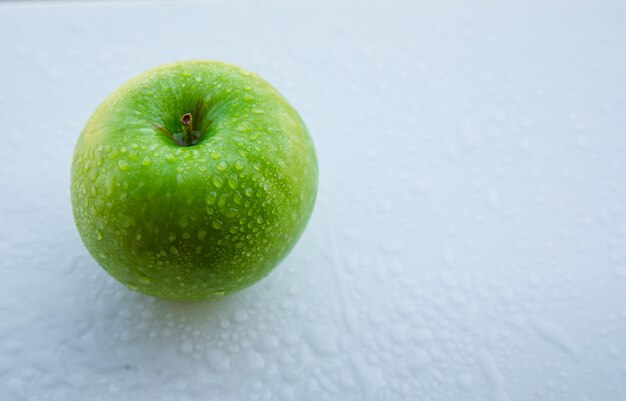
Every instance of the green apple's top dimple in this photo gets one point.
(199, 221)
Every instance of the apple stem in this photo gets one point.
(186, 121)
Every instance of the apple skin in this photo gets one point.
(194, 222)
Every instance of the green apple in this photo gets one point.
(193, 180)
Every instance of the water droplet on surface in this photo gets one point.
(146, 161)
(211, 198)
(553, 333)
(231, 212)
(221, 166)
(217, 224)
(218, 181)
(123, 165)
(143, 278)
(322, 339)
(214, 155)
(223, 200)
(233, 181)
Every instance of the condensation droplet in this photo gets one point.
(123, 165)
(211, 198)
(233, 182)
(222, 201)
(143, 278)
(218, 181)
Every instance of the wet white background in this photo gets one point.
(469, 242)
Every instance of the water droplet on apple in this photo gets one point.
(258, 111)
(221, 166)
(146, 161)
(220, 293)
(218, 181)
(170, 157)
(222, 201)
(201, 234)
(172, 237)
(123, 165)
(99, 235)
(173, 250)
(233, 182)
(232, 212)
(215, 155)
(143, 278)
(210, 211)
(217, 224)
(239, 165)
(237, 198)
(248, 192)
(211, 198)
(243, 127)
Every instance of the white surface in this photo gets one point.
(469, 242)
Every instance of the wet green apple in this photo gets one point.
(193, 180)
